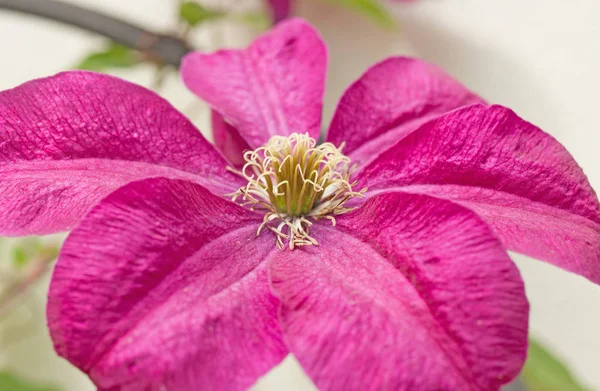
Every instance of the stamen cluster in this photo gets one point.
(295, 180)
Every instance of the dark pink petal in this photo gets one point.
(408, 293)
(67, 141)
(516, 177)
(163, 286)
(228, 140)
(280, 9)
(275, 87)
(390, 100)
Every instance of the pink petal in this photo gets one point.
(163, 285)
(280, 9)
(228, 140)
(67, 141)
(275, 87)
(391, 99)
(515, 176)
(408, 293)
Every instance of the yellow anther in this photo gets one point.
(293, 180)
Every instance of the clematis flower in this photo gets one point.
(280, 9)
(378, 258)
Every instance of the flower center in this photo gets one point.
(294, 181)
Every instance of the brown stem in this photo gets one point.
(39, 268)
(164, 48)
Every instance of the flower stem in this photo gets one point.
(38, 269)
(165, 49)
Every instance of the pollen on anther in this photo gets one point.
(294, 181)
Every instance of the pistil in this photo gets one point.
(294, 181)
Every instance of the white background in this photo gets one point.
(539, 57)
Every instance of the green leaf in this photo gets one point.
(258, 20)
(29, 248)
(10, 382)
(115, 56)
(544, 372)
(193, 13)
(371, 8)
(20, 257)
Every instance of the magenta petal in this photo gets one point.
(67, 141)
(408, 293)
(228, 140)
(516, 177)
(275, 87)
(280, 9)
(163, 286)
(390, 100)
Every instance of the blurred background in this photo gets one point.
(539, 57)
